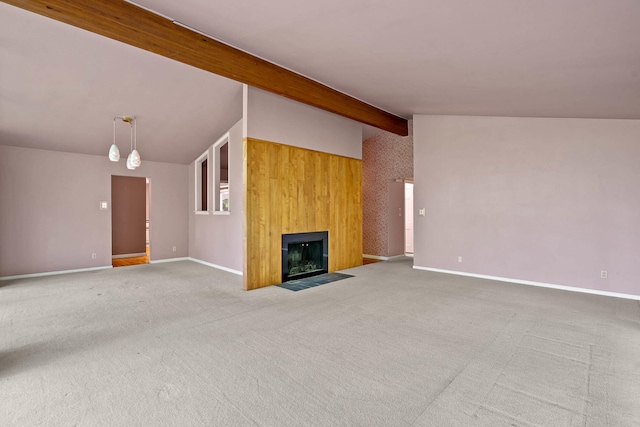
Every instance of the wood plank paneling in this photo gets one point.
(135, 26)
(294, 190)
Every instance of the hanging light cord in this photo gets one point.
(114, 130)
(135, 133)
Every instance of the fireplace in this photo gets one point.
(304, 255)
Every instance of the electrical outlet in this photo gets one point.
(174, 249)
(603, 274)
(421, 211)
(93, 255)
(460, 259)
(104, 206)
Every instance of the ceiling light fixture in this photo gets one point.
(133, 160)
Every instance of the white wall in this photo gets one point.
(217, 238)
(545, 200)
(49, 210)
(273, 118)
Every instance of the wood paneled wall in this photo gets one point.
(294, 190)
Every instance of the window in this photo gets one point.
(221, 175)
(202, 184)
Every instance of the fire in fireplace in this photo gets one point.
(304, 255)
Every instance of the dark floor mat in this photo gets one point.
(311, 282)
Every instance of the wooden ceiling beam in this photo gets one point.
(138, 27)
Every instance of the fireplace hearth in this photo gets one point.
(304, 255)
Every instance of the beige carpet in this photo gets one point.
(181, 344)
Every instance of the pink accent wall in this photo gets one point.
(545, 200)
(215, 238)
(385, 157)
(50, 217)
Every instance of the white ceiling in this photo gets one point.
(60, 86)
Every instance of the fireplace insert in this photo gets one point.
(304, 255)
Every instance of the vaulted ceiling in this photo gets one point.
(61, 86)
(568, 58)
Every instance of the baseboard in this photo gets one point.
(219, 267)
(128, 255)
(54, 273)
(160, 261)
(384, 258)
(381, 258)
(532, 283)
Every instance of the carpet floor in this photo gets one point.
(181, 344)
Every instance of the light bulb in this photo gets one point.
(114, 153)
(130, 165)
(135, 158)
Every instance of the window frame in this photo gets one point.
(198, 183)
(215, 148)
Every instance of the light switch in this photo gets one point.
(103, 206)
(421, 212)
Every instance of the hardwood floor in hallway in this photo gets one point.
(123, 262)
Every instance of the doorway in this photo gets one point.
(395, 218)
(129, 220)
(408, 217)
(400, 217)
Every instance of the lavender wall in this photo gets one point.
(49, 210)
(545, 200)
(217, 238)
(385, 158)
(273, 118)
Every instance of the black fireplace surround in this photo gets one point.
(304, 255)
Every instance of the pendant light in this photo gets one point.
(133, 160)
(114, 153)
(135, 156)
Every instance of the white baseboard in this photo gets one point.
(382, 258)
(54, 273)
(128, 255)
(531, 283)
(219, 267)
(80, 270)
(160, 261)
